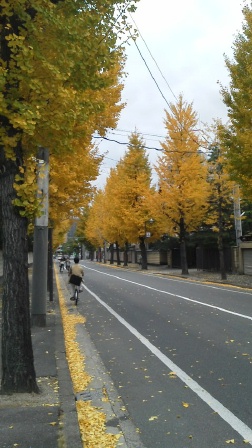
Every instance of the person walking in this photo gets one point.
(67, 264)
(62, 263)
(76, 274)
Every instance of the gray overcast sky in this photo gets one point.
(187, 39)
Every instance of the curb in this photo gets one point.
(70, 433)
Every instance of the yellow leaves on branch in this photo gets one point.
(60, 82)
(14, 40)
(57, 88)
(124, 199)
(182, 172)
(26, 190)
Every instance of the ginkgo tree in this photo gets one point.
(58, 59)
(133, 190)
(238, 98)
(113, 229)
(92, 223)
(220, 214)
(181, 201)
(103, 225)
(126, 207)
(71, 187)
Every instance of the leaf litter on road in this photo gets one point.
(92, 422)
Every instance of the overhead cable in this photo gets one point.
(160, 71)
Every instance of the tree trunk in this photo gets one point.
(183, 256)
(111, 248)
(18, 373)
(221, 257)
(143, 253)
(118, 254)
(125, 255)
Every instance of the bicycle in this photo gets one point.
(76, 281)
(76, 294)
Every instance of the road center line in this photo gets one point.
(224, 310)
(214, 404)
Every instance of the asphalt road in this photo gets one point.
(178, 352)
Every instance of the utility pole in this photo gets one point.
(40, 245)
(237, 214)
(50, 263)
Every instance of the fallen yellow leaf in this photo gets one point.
(186, 405)
(154, 417)
(230, 441)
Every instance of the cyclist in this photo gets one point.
(75, 271)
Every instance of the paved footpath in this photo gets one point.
(48, 419)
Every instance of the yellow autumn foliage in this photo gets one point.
(182, 199)
(119, 213)
(60, 80)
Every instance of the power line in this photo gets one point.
(126, 143)
(149, 70)
(157, 85)
(152, 147)
(168, 85)
(143, 133)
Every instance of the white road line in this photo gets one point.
(214, 404)
(224, 310)
(229, 288)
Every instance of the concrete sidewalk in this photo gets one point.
(48, 419)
